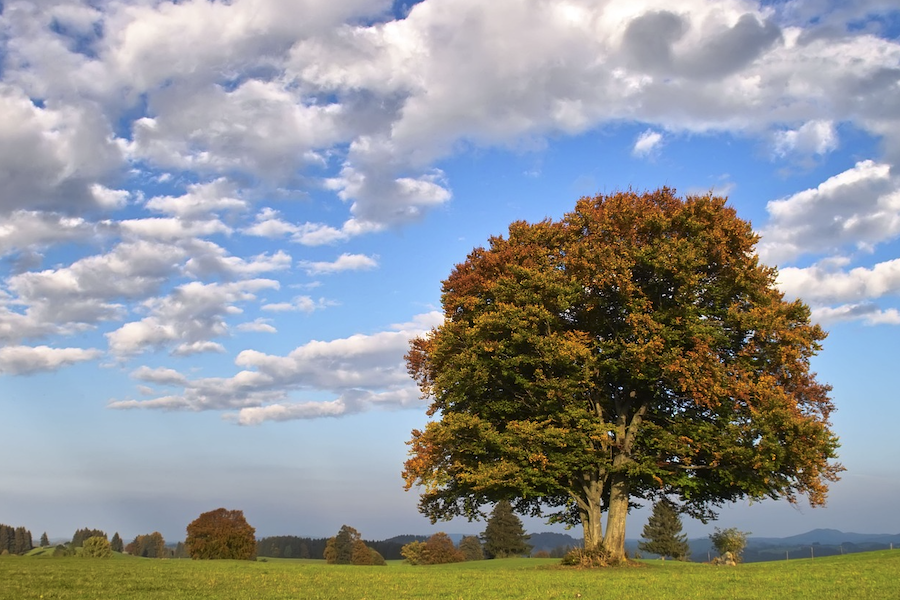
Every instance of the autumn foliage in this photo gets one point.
(221, 534)
(635, 349)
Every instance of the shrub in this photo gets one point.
(96, 547)
(220, 534)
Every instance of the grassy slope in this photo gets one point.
(868, 575)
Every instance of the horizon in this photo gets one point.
(222, 223)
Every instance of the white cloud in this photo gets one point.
(303, 304)
(353, 402)
(24, 360)
(258, 326)
(200, 201)
(160, 376)
(172, 229)
(859, 208)
(189, 318)
(50, 158)
(647, 144)
(813, 137)
(364, 371)
(820, 284)
(868, 313)
(23, 230)
(345, 262)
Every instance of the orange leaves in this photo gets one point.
(638, 335)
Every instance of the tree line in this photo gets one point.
(15, 540)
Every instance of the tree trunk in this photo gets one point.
(592, 522)
(590, 504)
(614, 541)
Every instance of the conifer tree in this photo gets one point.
(45, 541)
(663, 532)
(116, 544)
(504, 535)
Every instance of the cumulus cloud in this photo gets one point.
(189, 318)
(303, 304)
(813, 137)
(859, 207)
(345, 262)
(647, 144)
(821, 284)
(200, 201)
(363, 371)
(25, 360)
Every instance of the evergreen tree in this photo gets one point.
(663, 532)
(116, 545)
(45, 541)
(504, 535)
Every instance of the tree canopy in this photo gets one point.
(221, 534)
(634, 349)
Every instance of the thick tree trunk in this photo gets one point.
(614, 541)
(590, 504)
(592, 522)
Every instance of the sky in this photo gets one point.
(222, 222)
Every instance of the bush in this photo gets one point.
(729, 541)
(96, 547)
(579, 557)
(221, 534)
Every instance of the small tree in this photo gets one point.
(729, 540)
(116, 543)
(96, 547)
(439, 550)
(339, 549)
(220, 534)
(504, 535)
(413, 552)
(663, 532)
(45, 541)
(471, 548)
(148, 546)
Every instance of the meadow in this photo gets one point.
(864, 575)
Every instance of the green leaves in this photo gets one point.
(637, 338)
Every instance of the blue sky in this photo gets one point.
(221, 223)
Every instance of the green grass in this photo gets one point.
(865, 575)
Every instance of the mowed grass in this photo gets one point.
(865, 575)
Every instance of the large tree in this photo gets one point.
(221, 533)
(663, 532)
(636, 348)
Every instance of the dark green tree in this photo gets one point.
(663, 532)
(82, 534)
(634, 349)
(45, 541)
(504, 535)
(471, 548)
(221, 534)
(116, 544)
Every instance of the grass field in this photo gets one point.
(857, 576)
